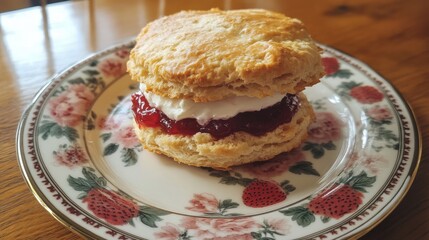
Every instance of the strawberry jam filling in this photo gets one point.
(256, 123)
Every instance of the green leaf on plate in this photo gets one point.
(91, 72)
(110, 149)
(317, 151)
(79, 184)
(342, 73)
(325, 219)
(76, 81)
(361, 182)
(304, 167)
(45, 129)
(228, 179)
(93, 63)
(287, 187)
(329, 145)
(227, 204)
(129, 156)
(95, 181)
(70, 133)
(149, 216)
(301, 215)
(307, 146)
(106, 136)
(54, 130)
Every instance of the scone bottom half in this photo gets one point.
(212, 56)
(222, 144)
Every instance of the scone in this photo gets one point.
(223, 88)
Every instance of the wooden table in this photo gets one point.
(391, 36)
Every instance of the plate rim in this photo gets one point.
(84, 232)
(416, 159)
(19, 137)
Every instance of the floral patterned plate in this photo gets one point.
(80, 157)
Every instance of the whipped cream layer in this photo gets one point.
(178, 109)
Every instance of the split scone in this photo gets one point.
(223, 88)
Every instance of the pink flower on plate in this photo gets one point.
(121, 128)
(379, 114)
(122, 53)
(69, 107)
(112, 67)
(204, 203)
(108, 123)
(125, 136)
(278, 225)
(220, 228)
(275, 166)
(70, 156)
(102, 123)
(373, 163)
(168, 232)
(326, 128)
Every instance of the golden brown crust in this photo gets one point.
(203, 151)
(211, 55)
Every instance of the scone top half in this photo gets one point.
(212, 55)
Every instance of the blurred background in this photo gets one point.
(9, 5)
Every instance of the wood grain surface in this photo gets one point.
(389, 35)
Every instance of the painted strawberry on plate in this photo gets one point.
(342, 198)
(109, 205)
(331, 65)
(257, 192)
(336, 201)
(366, 94)
(262, 193)
(332, 68)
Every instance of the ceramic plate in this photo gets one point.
(80, 157)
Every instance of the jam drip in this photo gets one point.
(256, 123)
